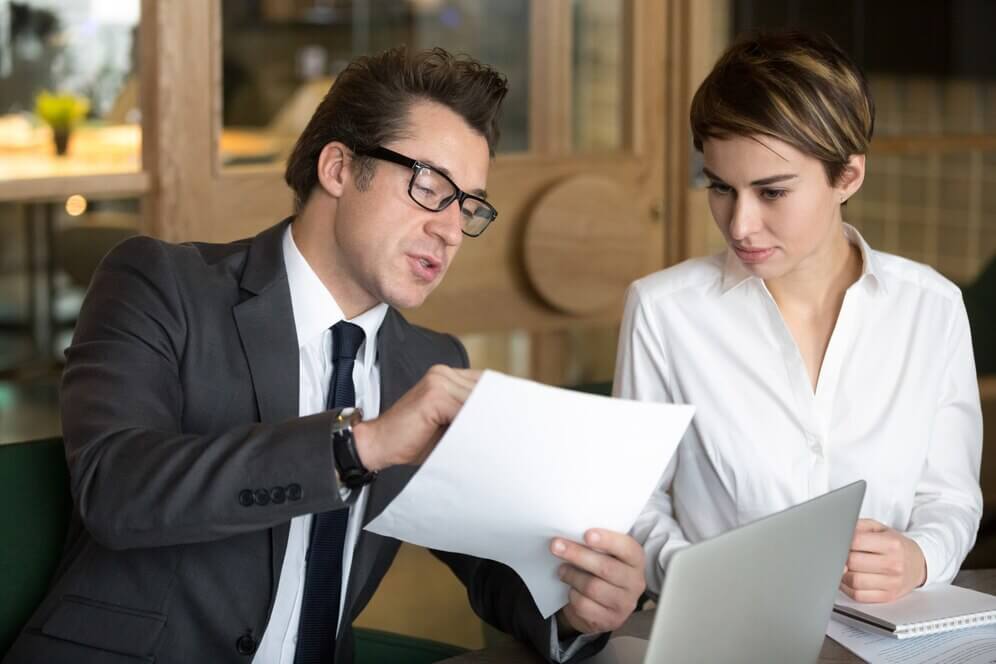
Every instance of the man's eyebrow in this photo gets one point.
(480, 193)
(756, 183)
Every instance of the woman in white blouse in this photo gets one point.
(812, 359)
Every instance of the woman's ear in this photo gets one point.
(851, 177)
(333, 171)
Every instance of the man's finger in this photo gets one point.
(466, 377)
(458, 382)
(598, 564)
(459, 386)
(588, 616)
(597, 590)
(618, 545)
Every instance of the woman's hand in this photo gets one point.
(883, 564)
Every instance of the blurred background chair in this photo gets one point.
(79, 249)
(76, 252)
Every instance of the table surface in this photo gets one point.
(514, 652)
(100, 160)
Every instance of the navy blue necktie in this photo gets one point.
(323, 577)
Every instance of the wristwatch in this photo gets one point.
(351, 470)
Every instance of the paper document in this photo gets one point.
(976, 645)
(524, 462)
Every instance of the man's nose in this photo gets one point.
(447, 224)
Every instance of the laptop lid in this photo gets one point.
(762, 592)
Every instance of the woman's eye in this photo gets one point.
(772, 194)
(424, 190)
(719, 188)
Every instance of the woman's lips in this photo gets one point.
(753, 256)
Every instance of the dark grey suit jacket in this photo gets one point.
(188, 460)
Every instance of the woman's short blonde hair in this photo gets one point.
(799, 88)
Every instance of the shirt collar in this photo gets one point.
(871, 270)
(734, 272)
(315, 310)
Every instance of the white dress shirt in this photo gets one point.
(896, 404)
(315, 311)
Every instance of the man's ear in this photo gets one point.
(333, 168)
(851, 177)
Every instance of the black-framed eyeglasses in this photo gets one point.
(434, 191)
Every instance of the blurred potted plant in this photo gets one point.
(62, 112)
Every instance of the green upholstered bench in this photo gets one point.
(35, 500)
(36, 503)
(375, 647)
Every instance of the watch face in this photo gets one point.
(346, 418)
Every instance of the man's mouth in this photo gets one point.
(425, 267)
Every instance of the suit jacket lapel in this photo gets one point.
(397, 375)
(265, 321)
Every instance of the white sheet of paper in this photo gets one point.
(524, 462)
(974, 645)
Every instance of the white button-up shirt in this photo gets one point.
(315, 311)
(896, 404)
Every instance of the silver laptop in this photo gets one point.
(760, 593)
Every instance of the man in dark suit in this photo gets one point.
(221, 470)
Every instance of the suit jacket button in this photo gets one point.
(246, 644)
(245, 498)
(262, 496)
(278, 495)
(294, 492)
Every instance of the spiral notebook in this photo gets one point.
(931, 610)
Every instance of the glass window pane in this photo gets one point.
(933, 208)
(597, 74)
(280, 57)
(69, 70)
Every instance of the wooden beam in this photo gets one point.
(550, 77)
(179, 82)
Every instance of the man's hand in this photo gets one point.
(605, 575)
(883, 564)
(410, 429)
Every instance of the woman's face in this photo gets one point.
(774, 204)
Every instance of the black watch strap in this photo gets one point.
(352, 472)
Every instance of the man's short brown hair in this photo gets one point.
(368, 106)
